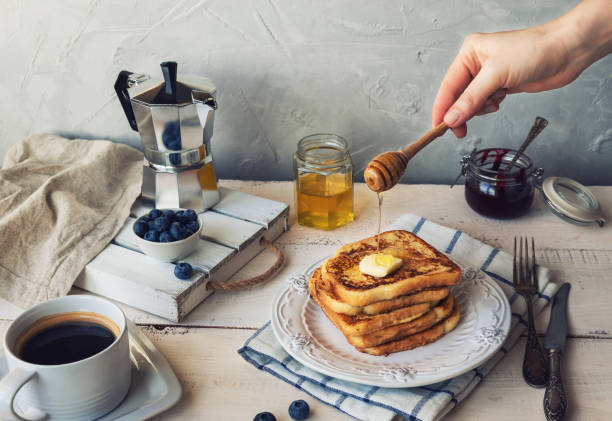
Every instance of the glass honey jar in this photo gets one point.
(323, 174)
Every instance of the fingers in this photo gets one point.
(485, 83)
(457, 78)
(492, 103)
(460, 131)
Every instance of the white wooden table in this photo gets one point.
(219, 385)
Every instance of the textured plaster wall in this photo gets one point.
(367, 70)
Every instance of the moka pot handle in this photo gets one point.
(121, 87)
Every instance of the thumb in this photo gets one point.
(473, 97)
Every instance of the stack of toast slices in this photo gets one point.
(407, 308)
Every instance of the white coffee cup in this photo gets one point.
(80, 390)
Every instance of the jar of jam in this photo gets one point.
(323, 174)
(496, 189)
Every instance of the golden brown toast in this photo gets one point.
(392, 333)
(423, 267)
(330, 300)
(364, 323)
(418, 339)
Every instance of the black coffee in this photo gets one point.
(66, 343)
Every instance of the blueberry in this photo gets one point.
(299, 410)
(190, 214)
(140, 228)
(181, 217)
(151, 225)
(144, 218)
(165, 237)
(169, 214)
(183, 270)
(161, 223)
(152, 236)
(192, 226)
(178, 231)
(155, 213)
(264, 416)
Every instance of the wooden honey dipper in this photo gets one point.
(386, 169)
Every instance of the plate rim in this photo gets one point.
(379, 381)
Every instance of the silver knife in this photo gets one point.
(555, 399)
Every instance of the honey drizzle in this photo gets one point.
(380, 201)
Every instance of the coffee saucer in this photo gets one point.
(154, 387)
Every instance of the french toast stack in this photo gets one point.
(409, 307)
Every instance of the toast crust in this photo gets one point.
(419, 339)
(393, 333)
(364, 323)
(423, 267)
(330, 300)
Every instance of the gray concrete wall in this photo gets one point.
(367, 70)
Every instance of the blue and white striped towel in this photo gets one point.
(420, 403)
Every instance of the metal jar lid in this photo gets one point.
(572, 201)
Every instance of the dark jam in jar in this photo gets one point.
(496, 190)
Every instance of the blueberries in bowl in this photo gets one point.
(183, 270)
(166, 226)
(152, 236)
(165, 237)
(141, 228)
(155, 213)
(178, 231)
(299, 410)
(264, 416)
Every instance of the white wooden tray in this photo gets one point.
(230, 238)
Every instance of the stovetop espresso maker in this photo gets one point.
(175, 121)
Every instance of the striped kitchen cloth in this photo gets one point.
(419, 403)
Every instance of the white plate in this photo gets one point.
(308, 336)
(154, 387)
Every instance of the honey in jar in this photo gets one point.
(323, 173)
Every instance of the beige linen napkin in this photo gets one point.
(61, 202)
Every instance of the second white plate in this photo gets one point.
(308, 336)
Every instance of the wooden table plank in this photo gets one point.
(219, 384)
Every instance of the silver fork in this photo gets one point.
(525, 280)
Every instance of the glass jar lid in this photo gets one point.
(571, 201)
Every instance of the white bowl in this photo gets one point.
(172, 251)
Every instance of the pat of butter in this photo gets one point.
(379, 264)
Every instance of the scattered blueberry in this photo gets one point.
(165, 237)
(264, 416)
(155, 213)
(161, 223)
(299, 410)
(169, 214)
(192, 226)
(183, 270)
(178, 231)
(190, 215)
(152, 236)
(141, 228)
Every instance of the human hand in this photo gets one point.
(541, 58)
(489, 66)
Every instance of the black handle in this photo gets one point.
(121, 87)
(555, 400)
(169, 71)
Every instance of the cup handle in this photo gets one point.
(9, 386)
